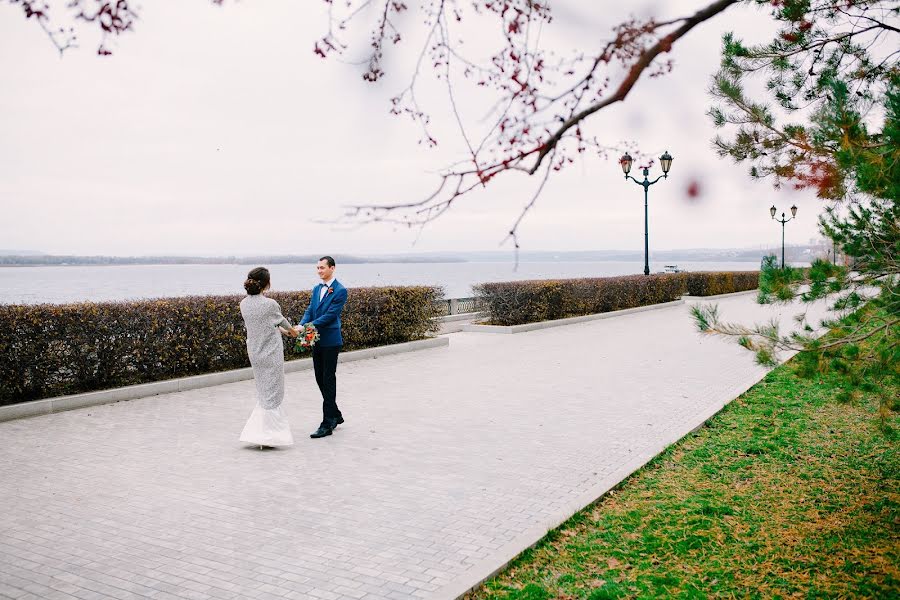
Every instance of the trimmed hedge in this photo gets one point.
(708, 283)
(50, 350)
(518, 302)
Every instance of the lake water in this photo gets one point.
(33, 285)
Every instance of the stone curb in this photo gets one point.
(705, 298)
(616, 313)
(48, 406)
(568, 321)
(460, 317)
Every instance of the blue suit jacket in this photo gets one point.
(326, 315)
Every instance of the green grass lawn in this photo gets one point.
(786, 493)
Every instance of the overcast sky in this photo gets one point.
(215, 130)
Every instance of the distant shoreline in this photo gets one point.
(804, 253)
(5, 261)
(385, 262)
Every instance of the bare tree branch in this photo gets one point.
(663, 45)
(530, 124)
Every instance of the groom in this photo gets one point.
(324, 312)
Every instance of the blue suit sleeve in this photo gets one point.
(307, 315)
(334, 309)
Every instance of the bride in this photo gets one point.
(268, 424)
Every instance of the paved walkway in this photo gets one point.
(451, 461)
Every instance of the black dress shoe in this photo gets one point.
(336, 422)
(321, 432)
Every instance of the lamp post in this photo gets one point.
(665, 161)
(782, 220)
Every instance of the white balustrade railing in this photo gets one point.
(458, 306)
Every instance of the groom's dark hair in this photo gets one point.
(327, 259)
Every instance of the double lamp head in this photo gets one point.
(665, 161)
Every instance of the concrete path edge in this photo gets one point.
(48, 406)
(708, 298)
(571, 320)
(461, 317)
(560, 322)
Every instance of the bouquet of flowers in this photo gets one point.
(307, 338)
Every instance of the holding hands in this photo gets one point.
(292, 332)
(307, 336)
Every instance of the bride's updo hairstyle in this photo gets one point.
(257, 281)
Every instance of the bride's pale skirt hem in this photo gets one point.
(268, 427)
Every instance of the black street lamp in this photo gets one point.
(665, 161)
(782, 220)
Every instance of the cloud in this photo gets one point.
(216, 130)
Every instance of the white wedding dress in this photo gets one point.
(268, 424)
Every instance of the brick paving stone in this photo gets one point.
(448, 457)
